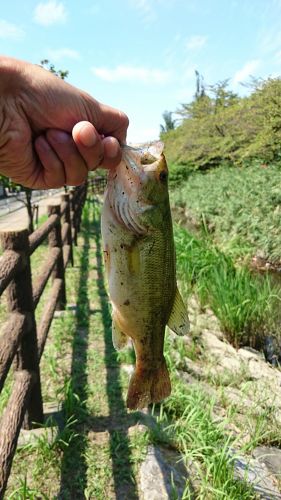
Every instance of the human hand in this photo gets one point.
(52, 133)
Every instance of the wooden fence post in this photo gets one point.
(82, 193)
(20, 300)
(66, 219)
(72, 196)
(55, 241)
(79, 205)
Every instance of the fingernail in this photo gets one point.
(87, 136)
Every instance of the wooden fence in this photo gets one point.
(21, 340)
(98, 184)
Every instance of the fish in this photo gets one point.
(140, 264)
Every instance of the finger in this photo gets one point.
(52, 175)
(75, 168)
(112, 153)
(112, 122)
(88, 143)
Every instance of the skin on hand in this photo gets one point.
(52, 133)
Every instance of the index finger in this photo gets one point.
(112, 122)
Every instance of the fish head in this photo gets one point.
(139, 184)
(147, 172)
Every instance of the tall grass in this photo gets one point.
(245, 304)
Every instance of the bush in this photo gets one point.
(178, 174)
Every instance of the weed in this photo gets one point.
(245, 304)
(25, 493)
(186, 417)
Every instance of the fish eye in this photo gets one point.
(163, 176)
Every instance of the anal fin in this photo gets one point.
(178, 320)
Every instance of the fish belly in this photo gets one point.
(141, 278)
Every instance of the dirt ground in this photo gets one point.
(18, 219)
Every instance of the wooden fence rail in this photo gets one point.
(21, 340)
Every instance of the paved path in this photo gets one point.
(19, 220)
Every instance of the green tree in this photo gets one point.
(45, 63)
(169, 123)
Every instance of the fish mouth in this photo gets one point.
(146, 155)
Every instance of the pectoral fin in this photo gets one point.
(119, 338)
(178, 320)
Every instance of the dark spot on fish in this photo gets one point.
(123, 192)
(115, 176)
(127, 167)
(151, 247)
(127, 302)
(121, 246)
(121, 283)
(163, 175)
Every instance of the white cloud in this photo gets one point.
(131, 74)
(270, 40)
(247, 70)
(196, 42)
(10, 31)
(148, 8)
(65, 53)
(145, 8)
(49, 13)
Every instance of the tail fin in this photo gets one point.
(148, 386)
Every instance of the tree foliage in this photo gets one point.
(45, 63)
(219, 126)
(169, 122)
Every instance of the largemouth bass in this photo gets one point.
(140, 264)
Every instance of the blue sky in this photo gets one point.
(140, 55)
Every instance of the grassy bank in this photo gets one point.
(239, 207)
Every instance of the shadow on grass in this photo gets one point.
(74, 466)
(119, 419)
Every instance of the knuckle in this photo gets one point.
(125, 120)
